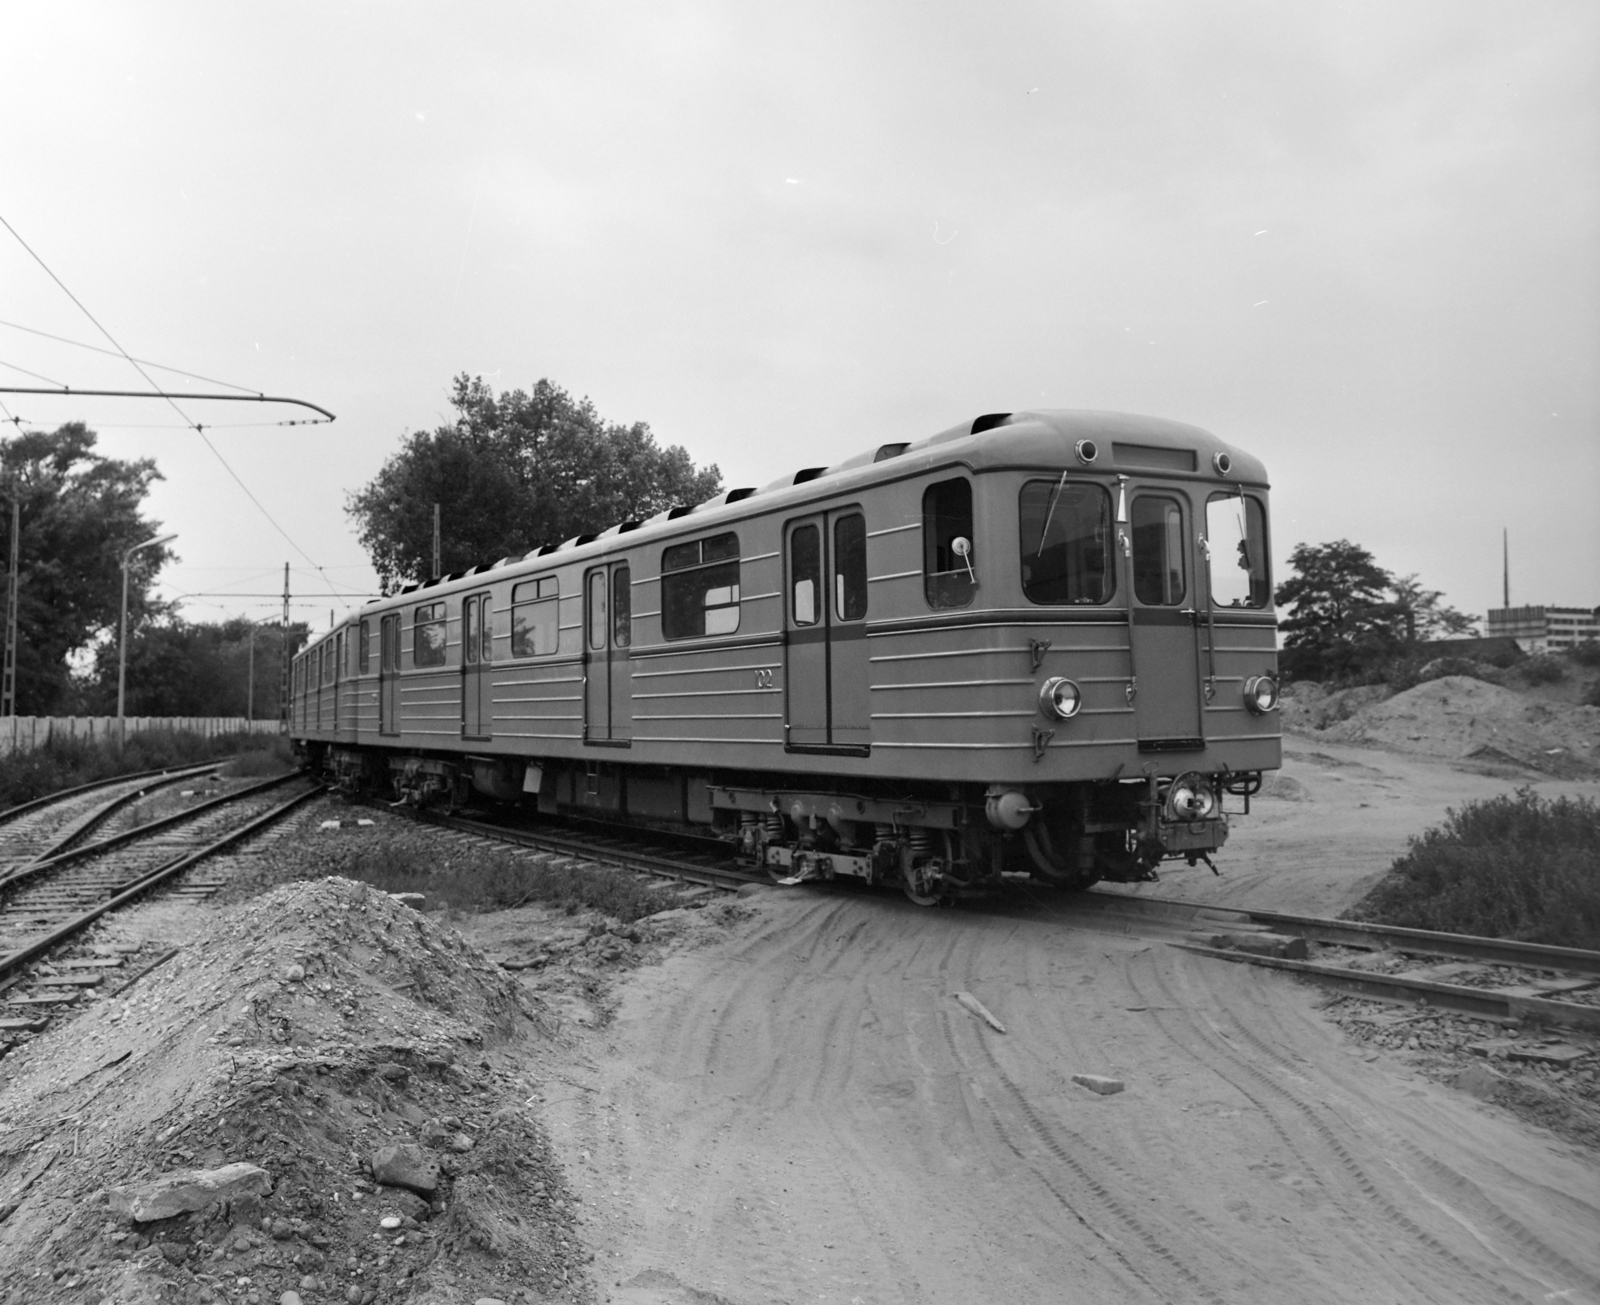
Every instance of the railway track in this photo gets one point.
(1489, 978)
(48, 902)
(52, 824)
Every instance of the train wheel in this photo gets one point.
(923, 884)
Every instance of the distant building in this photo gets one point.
(1545, 629)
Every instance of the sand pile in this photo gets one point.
(305, 1031)
(1468, 719)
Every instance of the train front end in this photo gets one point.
(1143, 555)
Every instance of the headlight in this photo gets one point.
(1261, 694)
(1191, 798)
(1059, 698)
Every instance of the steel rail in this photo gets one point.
(15, 960)
(32, 868)
(35, 804)
(1373, 937)
(98, 817)
(628, 857)
(1482, 1002)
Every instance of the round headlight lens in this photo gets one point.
(1261, 694)
(1191, 798)
(1060, 698)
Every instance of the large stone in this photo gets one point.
(405, 1164)
(1478, 1080)
(1106, 1087)
(188, 1190)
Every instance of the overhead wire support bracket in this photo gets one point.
(169, 394)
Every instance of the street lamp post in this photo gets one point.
(122, 642)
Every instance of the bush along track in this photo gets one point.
(325, 1093)
(1510, 867)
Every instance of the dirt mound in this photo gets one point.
(305, 1030)
(1467, 719)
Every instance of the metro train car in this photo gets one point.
(1036, 642)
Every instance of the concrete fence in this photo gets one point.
(24, 733)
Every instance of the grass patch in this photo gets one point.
(494, 879)
(1510, 867)
(259, 763)
(66, 763)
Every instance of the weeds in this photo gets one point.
(65, 763)
(495, 879)
(1510, 867)
(1546, 668)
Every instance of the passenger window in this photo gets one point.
(1066, 542)
(469, 632)
(850, 567)
(597, 609)
(427, 635)
(535, 629)
(1160, 576)
(621, 607)
(486, 629)
(1236, 534)
(700, 587)
(364, 648)
(949, 575)
(805, 565)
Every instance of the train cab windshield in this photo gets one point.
(1066, 542)
(1236, 535)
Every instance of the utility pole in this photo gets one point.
(436, 568)
(8, 686)
(1505, 556)
(283, 659)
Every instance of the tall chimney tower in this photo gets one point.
(1505, 575)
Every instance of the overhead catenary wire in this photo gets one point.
(171, 401)
(111, 353)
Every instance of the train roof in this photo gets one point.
(1045, 437)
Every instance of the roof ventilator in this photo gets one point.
(989, 421)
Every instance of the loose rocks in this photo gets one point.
(189, 1189)
(1096, 1083)
(405, 1165)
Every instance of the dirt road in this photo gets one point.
(800, 1111)
(805, 1114)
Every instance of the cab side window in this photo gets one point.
(949, 574)
(427, 634)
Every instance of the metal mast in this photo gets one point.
(283, 659)
(8, 687)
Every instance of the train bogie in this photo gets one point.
(1037, 641)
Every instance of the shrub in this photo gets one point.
(1543, 669)
(1591, 695)
(66, 763)
(1509, 867)
(492, 878)
(1586, 653)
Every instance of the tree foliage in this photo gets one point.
(182, 668)
(1349, 617)
(511, 473)
(80, 512)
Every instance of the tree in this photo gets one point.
(182, 668)
(511, 473)
(1350, 617)
(1341, 614)
(80, 512)
(1430, 617)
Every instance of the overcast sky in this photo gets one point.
(1360, 240)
